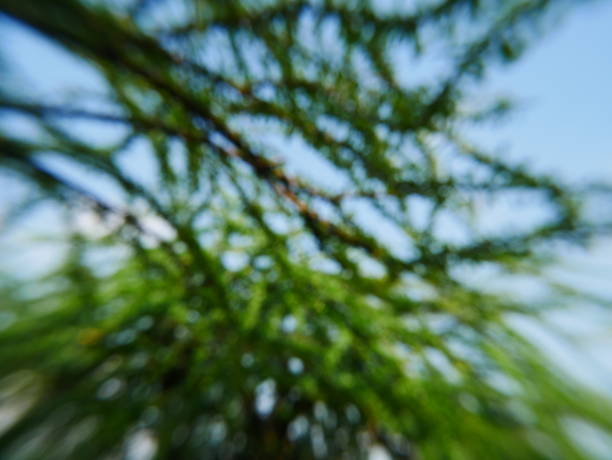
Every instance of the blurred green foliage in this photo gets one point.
(254, 311)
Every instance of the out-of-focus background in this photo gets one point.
(562, 125)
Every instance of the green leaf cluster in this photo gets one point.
(234, 306)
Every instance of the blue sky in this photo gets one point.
(563, 86)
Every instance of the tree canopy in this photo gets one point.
(285, 251)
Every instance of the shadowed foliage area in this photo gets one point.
(283, 259)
